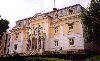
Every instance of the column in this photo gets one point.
(21, 43)
(41, 45)
(37, 44)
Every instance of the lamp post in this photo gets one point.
(54, 3)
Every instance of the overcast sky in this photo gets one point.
(14, 10)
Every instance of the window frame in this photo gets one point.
(56, 43)
(70, 26)
(56, 29)
(71, 40)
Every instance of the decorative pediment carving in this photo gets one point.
(70, 22)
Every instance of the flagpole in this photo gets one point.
(54, 3)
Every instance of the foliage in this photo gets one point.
(3, 26)
(94, 58)
(91, 22)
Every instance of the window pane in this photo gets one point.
(56, 43)
(71, 41)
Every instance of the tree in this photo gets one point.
(3, 26)
(91, 22)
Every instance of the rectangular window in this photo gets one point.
(17, 34)
(70, 26)
(74, 10)
(15, 46)
(56, 43)
(70, 11)
(71, 41)
(56, 29)
(34, 33)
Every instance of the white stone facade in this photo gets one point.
(56, 42)
(63, 41)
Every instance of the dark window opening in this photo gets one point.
(70, 11)
(56, 29)
(70, 26)
(33, 47)
(15, 46)
(16, 34)
(39, 42)
(34, 33)
(71, 41)
(56, 43)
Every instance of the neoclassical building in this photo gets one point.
(57, 31)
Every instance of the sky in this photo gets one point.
(14, 10)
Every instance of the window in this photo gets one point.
(15, 46)
(70, 26)
(16, 34)
(71, 41)
(55, 15)
(64, 12)
(35, 31)
(74, 10)
(70, 11)
(56, 43)
(40, 28)
(56, 29)
(19, 24)
(39, 43)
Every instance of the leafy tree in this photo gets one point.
(91, 22)
(3, 26)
